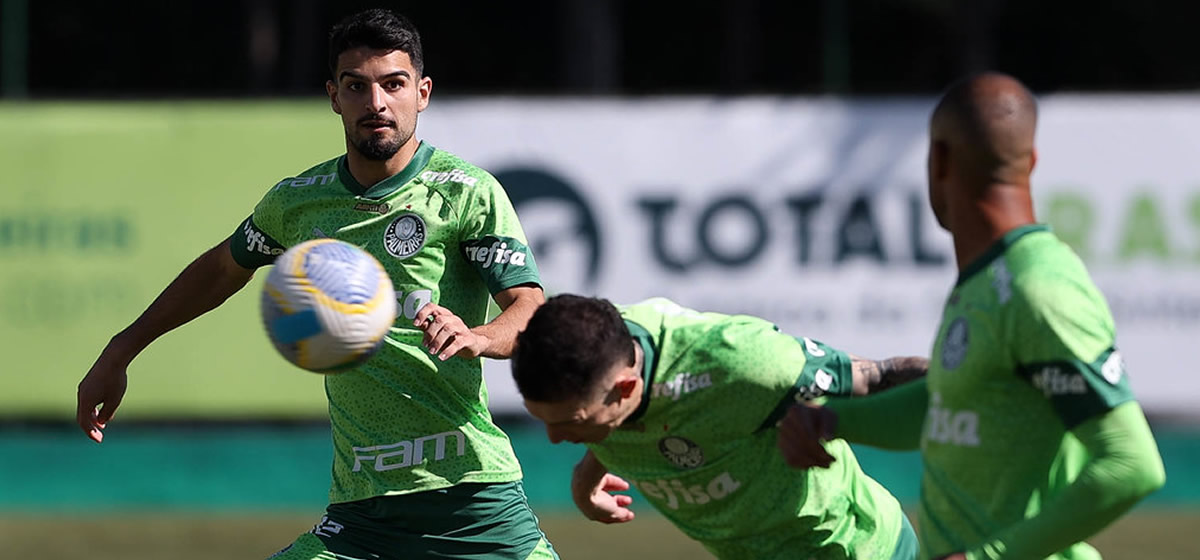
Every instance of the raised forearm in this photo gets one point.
(890, 420)
(874, 376)
(205, 284)
(1124, 468)
(518, 305)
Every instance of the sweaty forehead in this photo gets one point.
(374, 62)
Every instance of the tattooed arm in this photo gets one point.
(874, 376)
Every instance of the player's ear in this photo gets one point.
(627, 386)
(1032, 159)
(424, 89)
(331, 89)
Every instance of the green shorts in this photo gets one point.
(479, 521)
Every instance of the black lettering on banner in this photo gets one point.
(704, 231)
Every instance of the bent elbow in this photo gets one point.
(1147, 478)
(1156, 478)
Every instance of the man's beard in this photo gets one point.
(380, 147)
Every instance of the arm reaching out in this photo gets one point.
(1125, 467)
(890, 420)
(447, 334)
(591, 487)
(201, 287)
(874, 376)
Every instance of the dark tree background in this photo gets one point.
(188, 48)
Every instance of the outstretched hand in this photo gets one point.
(99, 395)
(447, 335)
(800, 435)
(598, 503)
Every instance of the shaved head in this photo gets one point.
(981, 156)
(987, 122)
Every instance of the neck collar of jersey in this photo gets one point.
(641, 336)
(387, 186)
(998, 248)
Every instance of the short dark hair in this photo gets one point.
(376, 29)
(568, 346)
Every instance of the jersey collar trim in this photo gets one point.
(998, 248)
(649, 364)
(390, 185)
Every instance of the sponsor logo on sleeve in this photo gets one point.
(496, 253)
(1113, 368)
(256, 241)
(1052, 380)
(822, 381)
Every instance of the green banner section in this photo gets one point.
(263, 468)
(102, 205)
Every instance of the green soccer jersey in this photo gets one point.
(445, 232)
(702, 445)
(1025, 352)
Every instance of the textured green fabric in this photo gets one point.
(484, 521)
(1124, 467)
(700, 455)
(1025, 351)
(892, 419)
(445, 232)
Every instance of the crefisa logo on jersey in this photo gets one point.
(405, 236)
(954, 347)
(681, 452)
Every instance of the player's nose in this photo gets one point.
(377, 100)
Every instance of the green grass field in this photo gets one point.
(1159, 535)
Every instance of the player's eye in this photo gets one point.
(394, 85)
(355, 86)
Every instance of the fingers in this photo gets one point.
(612, 482)
(610, 508)
(445, 333)
(620, 516)
(111, 402)
(800, 435)
(85, 416)
(86, 412)
(426, 314)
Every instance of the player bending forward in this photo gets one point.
(683, 405)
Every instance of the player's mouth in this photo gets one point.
(377, 125)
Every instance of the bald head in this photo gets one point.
(985, 123)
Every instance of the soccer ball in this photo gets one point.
(327, 305)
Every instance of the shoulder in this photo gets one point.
(1045, 274)
(1051, 297)
(300, 185)
(324, 173)
(450, 172)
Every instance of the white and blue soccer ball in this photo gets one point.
(327, 305)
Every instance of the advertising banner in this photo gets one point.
(811, 213)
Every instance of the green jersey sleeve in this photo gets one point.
(491, 239)
(252, 247)
(826, 372)
(1062, 339)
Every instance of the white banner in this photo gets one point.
(813, 214)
